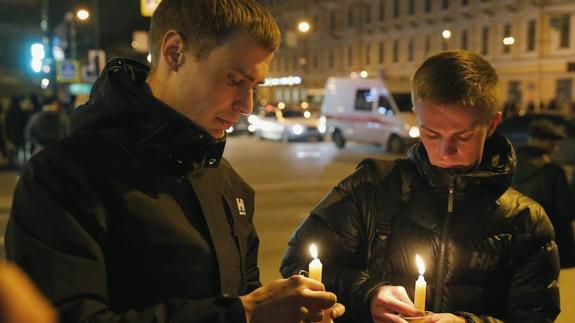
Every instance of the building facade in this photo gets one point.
(530, 43)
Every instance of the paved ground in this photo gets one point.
(289, 180)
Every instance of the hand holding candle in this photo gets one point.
(420, 285)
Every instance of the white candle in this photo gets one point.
(420, 285)
(315, 266)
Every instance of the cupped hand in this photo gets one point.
(390, 301)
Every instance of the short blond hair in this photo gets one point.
(458, 76)
(206, 24)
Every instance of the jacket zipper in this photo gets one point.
(442, 263)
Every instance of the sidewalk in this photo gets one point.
(8, 179)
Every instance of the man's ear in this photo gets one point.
(495, 120)
(172, 50)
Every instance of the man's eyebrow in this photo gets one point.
(424, 127)
(247, 76)
(456, 133)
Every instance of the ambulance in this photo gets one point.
(364, 110)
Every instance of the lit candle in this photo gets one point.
(420, 285)
(315, 267)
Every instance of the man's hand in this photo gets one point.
(444, 318)
(388, 302)
(290, 300)
(20, 300)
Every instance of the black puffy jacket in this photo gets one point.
(135, 217)
(538, 177)
(489, 250)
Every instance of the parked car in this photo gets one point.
(287, 125)
(243, 126)
(364, 110)
(515, 129)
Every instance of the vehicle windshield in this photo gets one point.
(292, 114)
(403, 101)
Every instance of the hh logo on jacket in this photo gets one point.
(241, 206)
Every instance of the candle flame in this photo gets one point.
(420, 264)
(313, 250)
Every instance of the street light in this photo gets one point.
(446, 34)
(38, 54)
(509, 40)
(303, 26)
(82, 14)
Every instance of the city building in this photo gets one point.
(530, 43)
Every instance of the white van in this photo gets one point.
(364, 110)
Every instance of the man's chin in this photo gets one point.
(217, 134)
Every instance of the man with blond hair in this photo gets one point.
(488, 250)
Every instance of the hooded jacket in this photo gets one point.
(538, 177)
(488, 250)
(135, 217)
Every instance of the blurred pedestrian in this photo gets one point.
(545, 181)
(15, 122)
(488, 250)
(136, 216)
(530, 108)
(509, 109)
(552, 105)
(47, 126)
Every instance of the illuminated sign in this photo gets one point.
(287, 80)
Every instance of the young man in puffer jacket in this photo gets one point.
(489, 250)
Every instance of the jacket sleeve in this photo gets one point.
(340, 226)
(533, 292)
(63, 252)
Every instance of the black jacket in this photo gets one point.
(491, 259)
(135, 217)
(546, 182)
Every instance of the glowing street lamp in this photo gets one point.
(38, 54)
(446, 34)
(82, 14)
(303, 26)
(509, 40)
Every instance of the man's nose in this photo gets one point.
(244, 103)
(447, 148)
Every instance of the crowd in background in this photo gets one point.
(29, 123)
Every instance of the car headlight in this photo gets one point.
(297, 129)
(414, 132)
(230, 130)
(252, 119)
(321, 124)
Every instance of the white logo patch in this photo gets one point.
(241, 206)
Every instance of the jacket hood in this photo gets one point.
(531, 160)
(491, 177)
(122, 101)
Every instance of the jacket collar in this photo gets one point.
(491, 177)
(122, 103)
